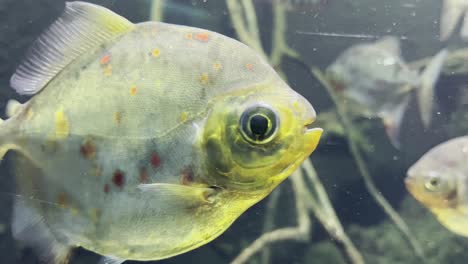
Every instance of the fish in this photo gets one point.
(439, 181)
(144, 141)
(452, 12)
(374, 75)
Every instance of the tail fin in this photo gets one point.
(464, 29)
(428, 81)
(451, 14)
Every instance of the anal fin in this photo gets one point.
(30, 229)
(392, 119)
(111, 260)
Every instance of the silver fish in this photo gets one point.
(144, 141)
(438, 180)
(374, 75)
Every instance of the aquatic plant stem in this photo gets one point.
(279, 45)
(323, 210)
(251, 19)
(241, 27)
(269, 221)
(299, 233)
(156, 13)
(356, 153)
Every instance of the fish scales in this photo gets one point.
(134, 148)
(125, 145)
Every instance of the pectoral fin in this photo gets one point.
(190, 195)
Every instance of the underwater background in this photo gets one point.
(317, 31)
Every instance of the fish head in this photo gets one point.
(436, 179)
(337, 76)
(253, 138)
(352, 73)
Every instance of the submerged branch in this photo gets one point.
(269, 221)
(279, 46)
(251, 19)
(237, 17)
(299, 233)
(156, 12)
(323, 210)
(375, 193)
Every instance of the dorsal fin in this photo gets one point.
(81, 27)
(390, 44)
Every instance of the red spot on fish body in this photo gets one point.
(106, 188)
(105, 59)
(203, 37)
(249, 66)
(133, 90)
(155, 160)
(186, 177)
(118, 178)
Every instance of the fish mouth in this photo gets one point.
(309, 126)
(409, 183)
(317, 131)
(410, 179)
(312, 137)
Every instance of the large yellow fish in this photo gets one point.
(439, 180)
(145, 141)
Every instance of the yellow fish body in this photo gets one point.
(145, 141)
(439, 180)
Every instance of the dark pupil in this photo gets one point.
(259, 126)
(434, 182)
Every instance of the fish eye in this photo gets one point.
(259, 124)
(433, 183)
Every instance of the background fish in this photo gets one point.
(145, 141)
(375, 75)
(439, 180)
